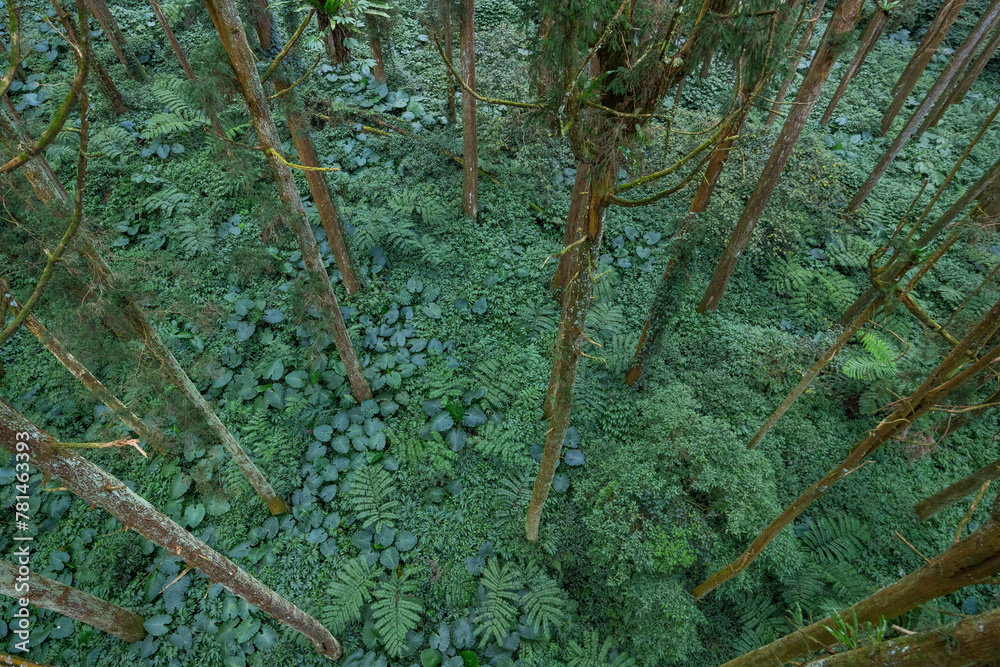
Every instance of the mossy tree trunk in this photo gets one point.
(955, 66)
(94, 485)
(375, 44)
(470, 147)
(845, 18)
(230, 29)
(115, 35)
(70, 602)
(334, 40)
(876, 25)
(796, 57)
(960, 86)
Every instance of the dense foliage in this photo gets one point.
(405, 536)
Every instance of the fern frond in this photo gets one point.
(498, 603)
(396, 612)
(545, 603)
(369, 491)
(349, 593)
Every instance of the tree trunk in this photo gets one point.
(892, 273)
(843, 339)
(470, 149)
(81, 373)
(45, 593)
(935, 34)
(98, 487)
(122, 49)
(721, 153)
(934, 389)
(569, 341)
(797, 56)
(966, 563)
(449, 38)
(954, 67)
(109, 89)
(576, 223)
(230, 29)
(185, 65)
(334, 40)
(945, 498)
(49, 190)
(375, 43)
(869, 38)
(845, 18)
(971, 641)
(961, 86)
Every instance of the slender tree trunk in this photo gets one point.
(449, 39)
(333, 40)
(968, 562)
(961, 86)
(721, 153)
(230, 28)
(954, 67)
(49, 190)
(470, 149)
(845, 18)
(71, 602)
(576, 224)
(109, 89)
(928, 46)
(185, 65)
(945, 498)
(569, 342)
(98, 487)
(81, 373)
(869, 38)
(843, 339)
(934, 389)
(797, 56)
(122, 49)
(971, 641)
(375, 43)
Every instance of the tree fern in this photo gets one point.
(168, 200)
(595, 653)
(193, 236)
(878, 364)
(545, 603)
(369, 491)
(396, 612)
(838, 539)
(349, 593)
(498, 600)
(491, 376)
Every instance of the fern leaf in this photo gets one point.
(396, 612)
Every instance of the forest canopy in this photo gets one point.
(523, 333)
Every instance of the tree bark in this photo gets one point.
(98, 487)
(845, 18)
(126, 56)
(185, 65)
(470, 149)
(928, 46)
(721, 153)
(968, 562)
(953, 68)
(971, 641)
(877, 23)
(449, 38)
(576, 223)
(71, 602)
(230, 29)
(797, 56)
(569, 342)
(375, 43)
(109, 89)
(947, 497)
(333, 40)
(934, 389)
(49, 190)
(960, 86)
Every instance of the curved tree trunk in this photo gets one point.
(470, 148)
(49, 190)
(122, 49)
(845, 18)
(957, 63)
(230, 29)
(964, 564)
(70, 602)
(941, 382)
(797, 56)
(98, 487)
(869, 38)
(928, 46)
